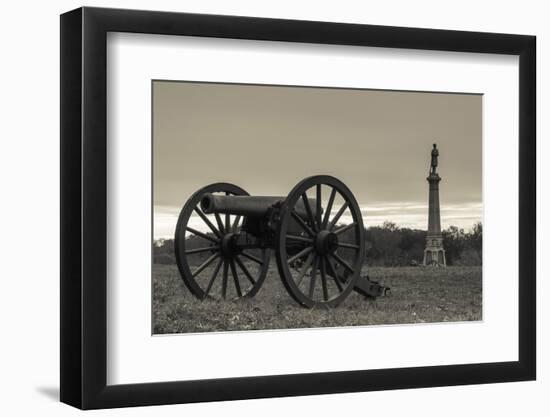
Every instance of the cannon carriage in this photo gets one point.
(316, 233)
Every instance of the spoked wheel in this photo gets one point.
(208, 260)
(320, 242)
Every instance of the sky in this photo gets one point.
(267, 138)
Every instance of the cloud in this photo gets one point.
(405, 214)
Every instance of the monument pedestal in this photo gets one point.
(434, 254)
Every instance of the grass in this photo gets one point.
(418, 295)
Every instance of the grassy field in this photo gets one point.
(418, 295)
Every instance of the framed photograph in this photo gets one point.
(257, 208)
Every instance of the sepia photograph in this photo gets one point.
(294, 207)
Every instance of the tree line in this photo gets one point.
(385, 245)
(390, 245)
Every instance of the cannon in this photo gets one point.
(224, 239)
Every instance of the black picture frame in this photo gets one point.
(84, 207)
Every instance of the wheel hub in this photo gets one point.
(228, 245)
(326, 242)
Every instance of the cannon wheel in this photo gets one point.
(324, 268)
(210, 269)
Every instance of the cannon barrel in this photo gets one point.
(248, 206)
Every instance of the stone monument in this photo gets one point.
(434, 254)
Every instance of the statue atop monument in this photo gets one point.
(435, 154)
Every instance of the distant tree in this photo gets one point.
(391, 226)
(475, 239)
(407, 240)
(412, 245)
(386, 240)
(454, 241)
